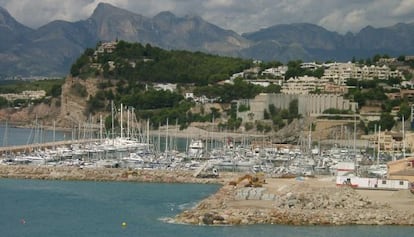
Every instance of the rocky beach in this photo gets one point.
(292, 201)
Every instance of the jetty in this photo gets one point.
(37, 146)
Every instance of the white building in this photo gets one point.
(25, 95)
(310, 66)
(275, 71)
(165, 87)
(266, 82)
(303, 85)
(237, 75)
(307, 104)
(339, 73)
(107, 47)
(372, 183)
(189, 95)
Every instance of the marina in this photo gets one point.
(158, 151)
(218, 122)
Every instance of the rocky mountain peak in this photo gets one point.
(105, 11)
(104, 8)
(7, 21)
(11, 32)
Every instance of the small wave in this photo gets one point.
(171, 220)
(186, 206)
(167, 220)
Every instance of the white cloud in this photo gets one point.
(213, 4)
(37, 13)
(356, 18)
(405, 7)
(332, 21)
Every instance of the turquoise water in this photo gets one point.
(10, 136)
(38, 208)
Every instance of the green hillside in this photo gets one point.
(137, 63)
(128, 72)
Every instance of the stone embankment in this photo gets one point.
(99, 174)
(293, 204)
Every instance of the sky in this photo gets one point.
(241, 16)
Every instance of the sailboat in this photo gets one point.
(379, 170)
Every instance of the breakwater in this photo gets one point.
(100, 174)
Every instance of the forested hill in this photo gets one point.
(126, 73)
(139, 63)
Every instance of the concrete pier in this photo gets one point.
(32, 147)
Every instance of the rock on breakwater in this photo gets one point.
(100, 174)
(284, 201)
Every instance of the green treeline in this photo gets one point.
(52, 87)
(135, 62)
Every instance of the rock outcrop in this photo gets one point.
(296, 205)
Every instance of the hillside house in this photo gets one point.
(165, 87)
(277, 72)
(303, 85)
(107, 47)
(25, 95)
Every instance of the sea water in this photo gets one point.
(39, 208)
(11, 136)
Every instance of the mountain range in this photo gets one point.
(51, 49)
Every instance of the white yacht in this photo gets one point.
(196, 149)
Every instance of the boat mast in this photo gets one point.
(54, 131)
(166, 138)
(112, 119)
(122, 122)
(379, 147)
(355, 153)
(403, 136)
(159, 138)
(5, 136)
(100, 127)
(355, 132)
(310, 139)
(211, 134)
(147, 132)
(375, 133)
(128, 125)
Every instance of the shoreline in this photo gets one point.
(291, 201)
